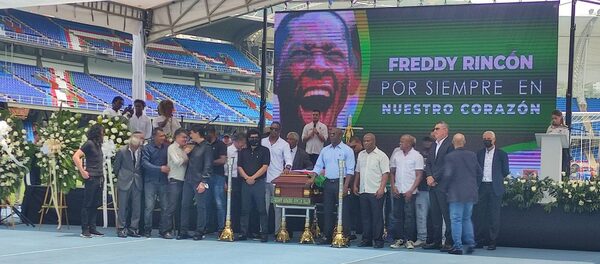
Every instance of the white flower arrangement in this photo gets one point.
(15, 160)
(57, 145)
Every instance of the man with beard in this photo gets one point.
(316, 67)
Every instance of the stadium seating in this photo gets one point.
(246, 103)
(198, 100)
(593, 104)
(97, 88)
(9, 24)
(41, 24)
(561, 104)
(15, 88)
(226, 54)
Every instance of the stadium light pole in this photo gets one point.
(263, 75)
(569, 95)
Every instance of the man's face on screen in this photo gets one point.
(318, 67)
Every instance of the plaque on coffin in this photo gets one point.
(296, 188)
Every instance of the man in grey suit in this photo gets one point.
(301, 159)
(130, 184)
(461, 171)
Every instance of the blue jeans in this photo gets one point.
(462, 226)
(422, 205)
(152, 191)
(216, 194)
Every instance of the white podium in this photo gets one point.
(552, 145)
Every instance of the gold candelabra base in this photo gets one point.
(307, 236)
(227, 233)
(282, 235)
(316, 231)
(339, 241)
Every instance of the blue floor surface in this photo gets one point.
(48, 245)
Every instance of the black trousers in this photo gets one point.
(372, 217)
(488, 215)
(188, 197)
(92, 196)
(439, 215)
(405, 221)
(174, 191)
(254, 195)
(330, 200)
(236, 203)
(313, 158)
(355, 213)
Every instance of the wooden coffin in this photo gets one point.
(295, 188)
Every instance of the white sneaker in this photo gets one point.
(397, 244)
(419, 243)
(410, 245)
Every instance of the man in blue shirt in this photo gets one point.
(155, 171)
(328, 162)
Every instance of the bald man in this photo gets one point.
(461, 171)
(370, 178)
(328, 161)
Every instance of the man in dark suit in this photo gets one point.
(494, 162)
(434, 170)
(299, 155)
(130, 185)
(461, 172)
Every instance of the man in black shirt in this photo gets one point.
(195, 183)
(93, 176)
(253, 163)
(216, 192)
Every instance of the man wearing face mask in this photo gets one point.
(252, 165)
(495, 166)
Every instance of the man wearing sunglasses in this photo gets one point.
(434, 170)
(281, 160)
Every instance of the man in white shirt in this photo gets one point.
(314, 136)
(407, 172)
(139, 121)
(177, 160)
(115, 109)
(238, 143)
(372, 172)
(281, 160)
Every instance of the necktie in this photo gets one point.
(134, 159)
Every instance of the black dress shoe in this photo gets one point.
(478, 245)
(324, 241)
(148, 234)
(95, 232)
(378, 244)
(166, 235)
(445, 248)
(241, 238)
(183, 236)
(264, 238)
(470, 250)
(432, 246)
(198, 236)
(491, 247)
(133, 233)
(455, 251)
(365, 243)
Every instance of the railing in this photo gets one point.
(121, 55)
(35, 39)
